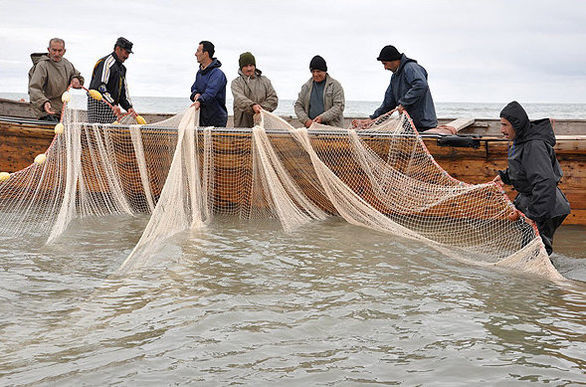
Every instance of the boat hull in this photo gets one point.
(21, 140)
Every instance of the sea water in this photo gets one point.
(243, 302)
(365, 108)
(246, 303)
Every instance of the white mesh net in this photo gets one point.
(382, 178)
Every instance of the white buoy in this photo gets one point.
(59, 128)
(4, 176)
(66, 97)
(40, 159)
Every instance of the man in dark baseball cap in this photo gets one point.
(125, 44)
(408, 91)
(109, 78)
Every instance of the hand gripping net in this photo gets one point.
(382, 178)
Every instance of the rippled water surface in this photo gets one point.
(244, 302)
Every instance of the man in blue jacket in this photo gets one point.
(209, 89)
(408, 90)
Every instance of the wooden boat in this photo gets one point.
(472, 156)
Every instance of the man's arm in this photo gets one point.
(216, 82)
(35, 87)
(102, 76)
(537, 164)
(388, 104)
(241, 101)
(271, 101)
(300, 105)
(416, 78)
(125, 101)
(76, 79)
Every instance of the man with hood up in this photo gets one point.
(49, 78)
(252, 92)
(407, 91)
(534, 171)
(209, 89)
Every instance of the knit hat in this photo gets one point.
(318, 63)
(246, 59)
(388, 54)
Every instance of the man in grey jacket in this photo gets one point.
(321, 99)
(407, 91)
(252, 92)
(49, 78)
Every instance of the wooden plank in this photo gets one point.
(461, 123)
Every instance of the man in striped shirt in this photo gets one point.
(109, 78)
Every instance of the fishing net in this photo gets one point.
(382, 178)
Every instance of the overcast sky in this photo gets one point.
(474, 51)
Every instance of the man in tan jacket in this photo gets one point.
(252, 92)
(321, 99)
(49, 78)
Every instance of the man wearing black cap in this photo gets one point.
(321, 99)
(109, 78)
(408, 90)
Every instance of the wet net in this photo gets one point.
(183, 175)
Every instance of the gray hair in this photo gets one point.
(57, 40)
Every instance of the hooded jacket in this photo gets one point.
(409, 88)
(334, 102)
(533, 168)
(248, 91)
(109, 78)
(48, 80)
(210, 84)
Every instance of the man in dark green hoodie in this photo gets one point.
(534, 171)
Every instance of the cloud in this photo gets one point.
(474, 51)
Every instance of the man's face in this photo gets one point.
(121, 53)
(392, 65)
(200, 54)
(507, 129)
(56, 51)
(318, 75)
(248, 70)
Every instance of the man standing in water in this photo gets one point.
(209, 89)
(534, 171)
(49, 78)
(109, 78)
(321, 99)
(407, 91)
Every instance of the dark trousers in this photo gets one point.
(547, 229)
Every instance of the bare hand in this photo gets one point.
(498, 180)
(117, 112)
(256, 108)
(48, 108)
(308, 123)
(196, 104)
(515, 215)
(362, 124)
(132, 112)
(75, 83)
(317, 119)
(195, 97)
(400, 109)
